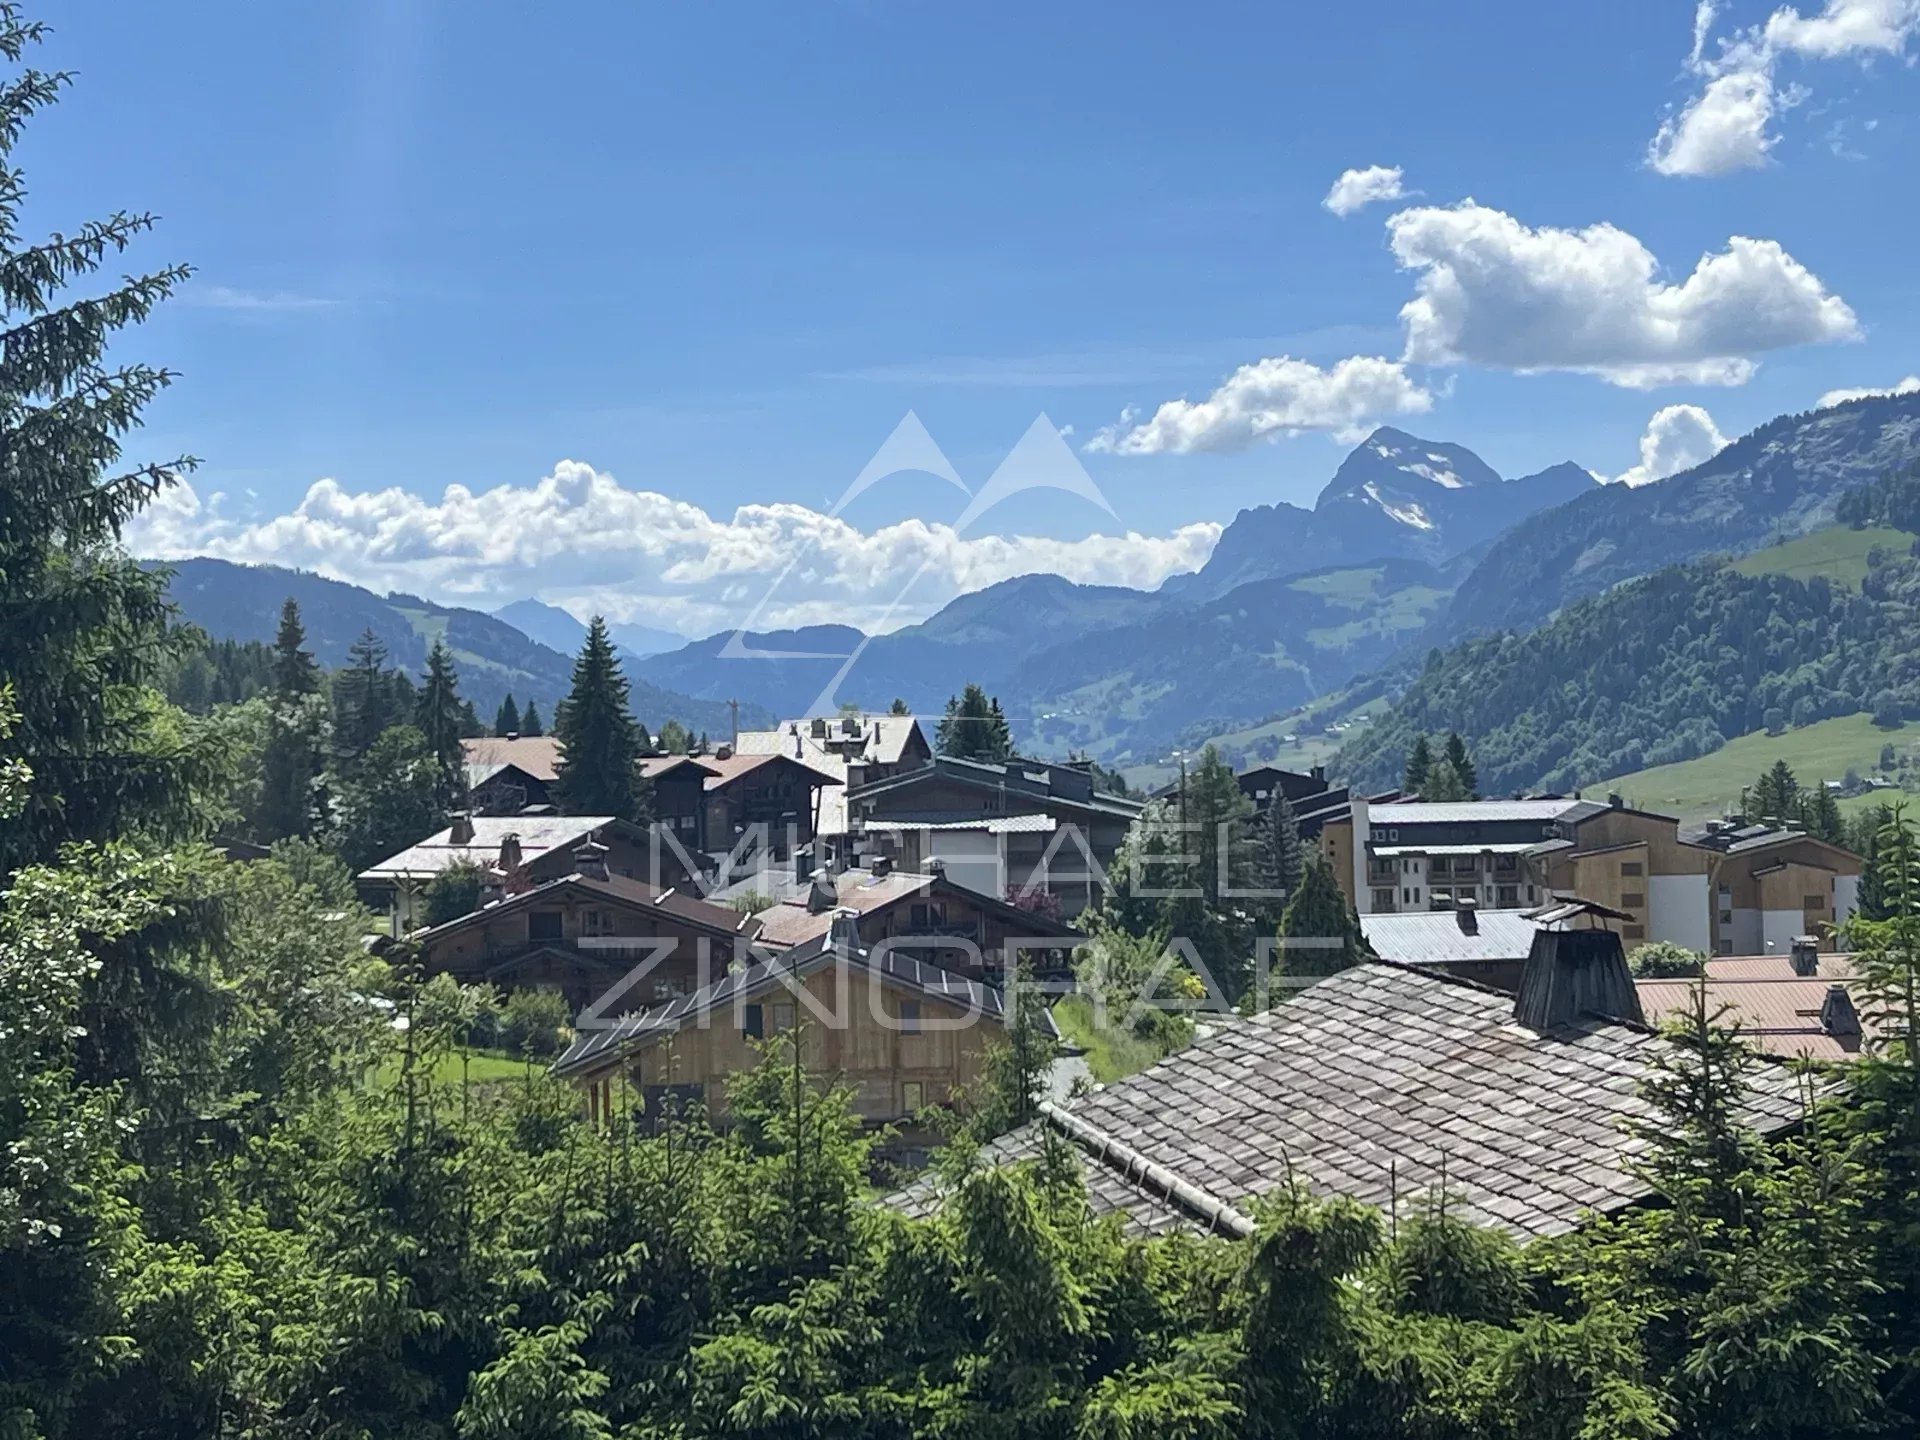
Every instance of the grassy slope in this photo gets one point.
(1111, 1054)
(1708, 785)
(1839, 554)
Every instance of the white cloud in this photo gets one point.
(1677, 438)
(1908, 386)
(228, 297)
(580, 537)
(1721, 130)
(1492, 291)
(1269, 398)
(1357, 189)
(1727, 126)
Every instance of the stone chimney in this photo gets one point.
(461, 831)
(1466, 914)
(510, 852)
(590, 860)
(1572, 975)
(1805, 955)
(723, 751)
(881, 866)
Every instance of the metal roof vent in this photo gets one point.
(1838, 1017)
(1575, 974)
(1466, 915)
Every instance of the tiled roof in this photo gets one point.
(1435, 937)
(1380, 1083)
(726, 771)
(537, 755)
(792, 923)
(538, 834)
(736, 986)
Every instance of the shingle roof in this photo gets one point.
(737, 986)
(1435, 937)
(538, 834)
(792, 923)
(1380, 1083)
(682, 905)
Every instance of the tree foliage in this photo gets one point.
(601, 743)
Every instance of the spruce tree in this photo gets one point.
(1320, 912)
(1456, 756)
(530, 720)
(600, 742)
(83, 629)
(295, 751)
(1444, 783)
(440, 720)
(295, 671)
(1284, 855)
(974, 728)
(1419, 761)
(1776, 794)
(363, 697)
(506, 720)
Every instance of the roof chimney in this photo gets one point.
(510, 852)
(844, 933)
(1466, 915)
(1805, 955)
(822, 893)
(590, 860)
(881, 866)
(1837, 1015)
(1575, 974)
(797, 750)
(723, 751)
(1613, 799)
(461, 831)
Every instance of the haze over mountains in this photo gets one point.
(1412, 543)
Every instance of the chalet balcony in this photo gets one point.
(1382, 873)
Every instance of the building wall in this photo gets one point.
(1846, 898)
(1682, 911)
(877, 1060)
(972, 858)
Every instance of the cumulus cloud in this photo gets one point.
(1908, 386)
(1269, 398)
(1722, 129)
(1357, 189)
(1727, 126)
(1677, 438)
(579, 537)
(1492, 291)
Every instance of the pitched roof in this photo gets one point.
(738, 986)
(733, 767)
(1434, 937)
(538, 834)
(792, 923)
(537, 755)
(1035, 783)
(680, 905)
(1380, 1083)
(987, 824)
(1779, 1012)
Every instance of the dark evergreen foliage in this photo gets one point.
(601, 742)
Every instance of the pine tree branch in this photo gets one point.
(28, 277)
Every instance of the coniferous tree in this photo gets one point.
(470, 726)
(600, 742)
(1820, 814)
(1320, 925)
(1285, 855)
(530, 720)
(363, 698)
(1776, 794)
(506, 720)
(294, 755)
(1456, 756)
(440, 718)
(295, 672)
(83, 630)
(1419, 762)
(1445, 783)
(899, 707)
(974, 728)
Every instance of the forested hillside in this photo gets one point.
(1658, 670)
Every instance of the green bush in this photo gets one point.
(531, 1022)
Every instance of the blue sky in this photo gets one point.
(715, 252)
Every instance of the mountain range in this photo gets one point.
(1412, 544)
(495, 658)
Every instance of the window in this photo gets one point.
(909, 1017)
(1633, 932)
(1813, 902)
(544, 925)
(1406, 894)
(1633, 899)
(753, 1022)
(1509, 896)
(783, 1015)
(1726, 917)
(1632, 867)
(1383, 900)
(913, 1096)
(596, 922)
